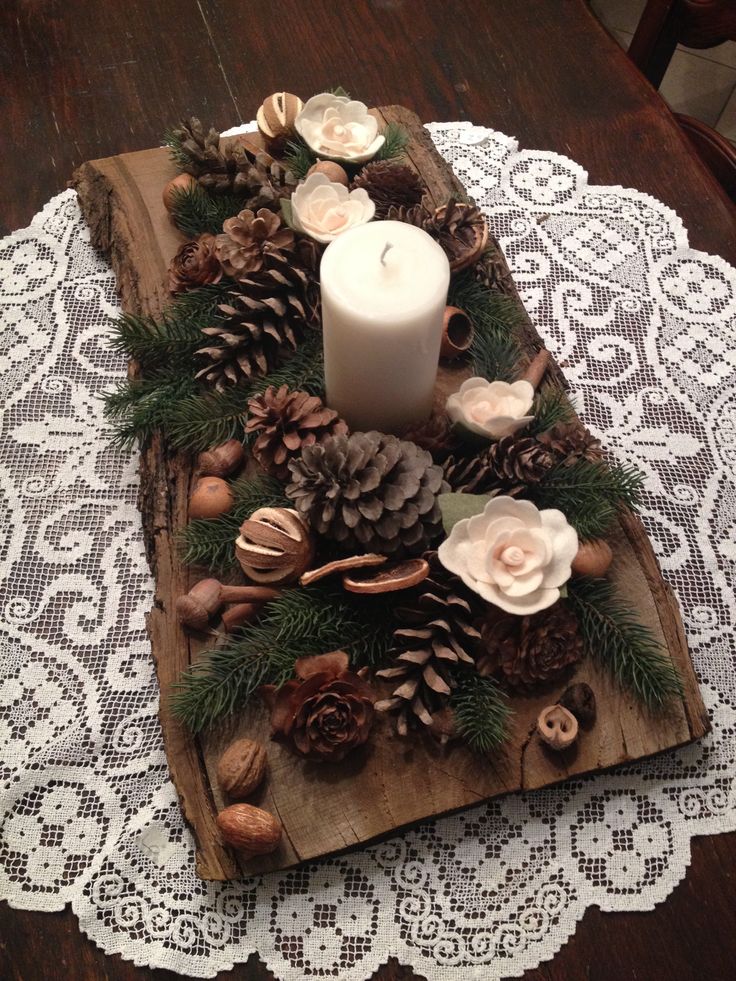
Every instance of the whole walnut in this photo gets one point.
(326, 712)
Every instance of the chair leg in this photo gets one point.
(655, 39)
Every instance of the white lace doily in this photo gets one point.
(646, 329)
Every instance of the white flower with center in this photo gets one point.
(323, 209)
(338, 128)
(513, 555)
(492, 409)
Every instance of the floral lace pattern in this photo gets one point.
(646, 328)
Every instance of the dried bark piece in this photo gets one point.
(402, 575)
(342, 565)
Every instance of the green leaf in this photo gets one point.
(458, 507)
(286, 212)
(339, 91)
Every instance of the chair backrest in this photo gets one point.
(667, 23)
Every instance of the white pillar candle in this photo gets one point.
(384, 290)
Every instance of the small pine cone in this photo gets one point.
(570, 442)
(519, 460)
(286, 422)
(240, 247)
(492, 272)
(531, 650)
(473, 475)
(435, 435)
(195, 264)
(200, 147)
(390, 185)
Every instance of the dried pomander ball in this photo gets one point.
(277, 115)
(182, 182)
(223, 460)
(210, 498)
(332, 170)
(580, 700)
(275, 546)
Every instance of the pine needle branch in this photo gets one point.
(299, 158)
(138, 407)
(195, 211)
(396, 139)
(178, 154)
(496, 318)
(624, 647)
(481, 712)
(552, 406)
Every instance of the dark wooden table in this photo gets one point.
(81, 80)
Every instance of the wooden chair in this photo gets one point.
(696, 24)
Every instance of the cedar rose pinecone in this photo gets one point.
(195, 264)
(327, 712)
(240, 247)
(519, 460)
(369, 492)
(530, 650)
(390, 185)
(286, 422)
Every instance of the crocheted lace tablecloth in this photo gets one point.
(646, 331)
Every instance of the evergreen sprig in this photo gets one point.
(481, 712)
(138, 407)
(552, 406)
(195, 211)
(395, 141)
(301, 622)
(624, 647)
(299, 157)
(496, 318)
(179, 156)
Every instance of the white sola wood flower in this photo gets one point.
(512, 554)
(491, 409)
(339, 128)
(323, 209)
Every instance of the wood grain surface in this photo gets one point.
(85, 80)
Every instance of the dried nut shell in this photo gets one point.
(400, 575)
(580, 700)
(342, 565)
(182, 182)
(332, 170)
(242, 768)
(210, 498)
(593, 558)
(274, 546)
(249, 829)
(457, 333)
(557, 727)
(222, 460)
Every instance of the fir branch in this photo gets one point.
(590, 494)
(494, 357)
(301, 622)
(552, 406)
(395, 141)
(496, 318)
(624, 647)
(299, 157)
(303, 372)
(209, 542)
(195, 211)
(139, 406)
(481, 712)
(178, 154)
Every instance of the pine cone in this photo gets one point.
(264, 320)
(492, 272)
(390, 185)
(570, 442)
(435, 435)
(531, 650)
(369, 492)
(460, 229)
(519, 460)
(435, 633)
(287, 422)
(195, 264)
(242, 242)
(474, 475)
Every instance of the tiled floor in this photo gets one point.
(698, 83)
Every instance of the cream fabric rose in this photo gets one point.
(338, 128)
(491, 409)
(513, 555)
(323, 210)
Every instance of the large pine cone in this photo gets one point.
(286, 422)
(369, 492)
(264, 320)
(531, 650)
(436, 633)
(570, 442)
(241, 245)
(195, 264)
(390, 185)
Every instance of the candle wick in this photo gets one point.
(386, 247)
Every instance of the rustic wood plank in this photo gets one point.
(392, 783)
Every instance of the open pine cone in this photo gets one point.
(244, 238)
(436, 634)
(369, 492)
(519, 460)
(286, 422)
(390, 185)
(570, 442)
(460, 229)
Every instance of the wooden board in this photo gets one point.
(325, 809)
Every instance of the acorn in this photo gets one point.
(276, 117)
(222, 460)
(593, 558)
(182, 182)
(457, 333)
(210, 498)
(332, 171)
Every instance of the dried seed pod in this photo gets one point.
(182, 182)
(205, 598)
(222, 460)
(249, 829)
(276, 117)
(557, 727)
(593, 558)
(241, 768)
(332, 170)
(457, 333)
(580, 700)
(400, 575)
(275, 546)
(210, 498)
(240, 613)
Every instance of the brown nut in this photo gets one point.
(182, 182)
(593, 558)
(210, 498)
(457, 333)
(222, 460)
(249, 829)
(557, 727)
(242, 768)
(332, 170)
(580, 700)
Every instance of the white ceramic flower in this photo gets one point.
(513, 555)
(323, 209)
(491, 409)
(338, 128)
